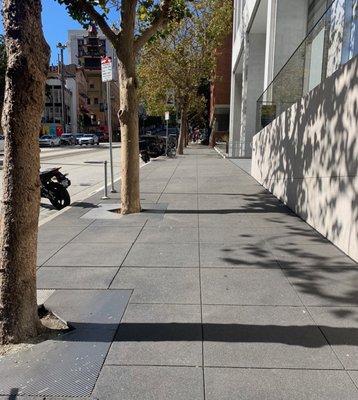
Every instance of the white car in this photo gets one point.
(88, 138)
(2, 143)
(50, 141)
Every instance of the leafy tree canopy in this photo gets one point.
(182, 59)
(151, 15)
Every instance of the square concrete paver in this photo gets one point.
(317, 255)
(75, 277)
(264, 337)
(272, 384)
(54, 234)
(90, 255)
(246, 287)
(150, 383)
(325, 286)
(168, 234)
(230, 234)
(252, 254)
(46, 250)
(180, 202)
(340, 326)
(160, 285)
(108, 234)
(158, 334)
(163, 255)
(176, 218)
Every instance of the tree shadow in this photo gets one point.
(308, 336)
(308, 157)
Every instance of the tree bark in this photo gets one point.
(128, 117)
(183, 129)
(28, 60)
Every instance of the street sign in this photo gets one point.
(167, 116)
(107, 71)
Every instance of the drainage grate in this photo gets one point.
(70, 364)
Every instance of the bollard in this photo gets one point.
(105, 182)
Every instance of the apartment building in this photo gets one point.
(86, 48)
(294, 108)
(52, 120)
(220, 88)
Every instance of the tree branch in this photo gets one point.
(99, 20)
(158, 22)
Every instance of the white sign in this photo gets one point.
(167, 116)
(107, 71)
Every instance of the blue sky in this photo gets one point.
(56, 23)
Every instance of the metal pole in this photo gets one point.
(110, 133)
(105, 196)
(63, 103)
(167, 138)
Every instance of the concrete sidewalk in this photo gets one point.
(226, 294)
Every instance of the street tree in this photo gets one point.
(183, 58)
(139, 21)
(27, 64)
(3, 61)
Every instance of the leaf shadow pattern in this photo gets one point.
(308, 158)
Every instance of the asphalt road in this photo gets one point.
(86, 177)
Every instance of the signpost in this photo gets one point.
(107, 77)
(167, 117)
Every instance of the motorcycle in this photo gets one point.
(54, 186)
(152, 146)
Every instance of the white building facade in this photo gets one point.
(294, 108)
(266, 35)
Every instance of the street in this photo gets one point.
(83, 169)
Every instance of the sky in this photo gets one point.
(56, 23)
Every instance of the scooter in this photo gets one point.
(54, 186)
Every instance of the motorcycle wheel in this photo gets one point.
(172, 152)
(145, 157)
(59, 196)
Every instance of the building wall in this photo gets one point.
(220, 88)
(266, 34)
(308, 158)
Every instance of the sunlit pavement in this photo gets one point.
(215, 291)
(84, 169)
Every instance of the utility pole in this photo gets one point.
(110, 132)
(63, 103)
(107, 77)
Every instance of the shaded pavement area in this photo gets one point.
(215, 291)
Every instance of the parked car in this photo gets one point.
(88, 138)
(2, 143)
(50, 141)
(102, 137)
(68, 139)
(77, 136)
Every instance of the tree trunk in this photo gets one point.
(183, 129)
(28, 60)
(128, 116)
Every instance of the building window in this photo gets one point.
(89, 101)
(91, 85)
(95, 100)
